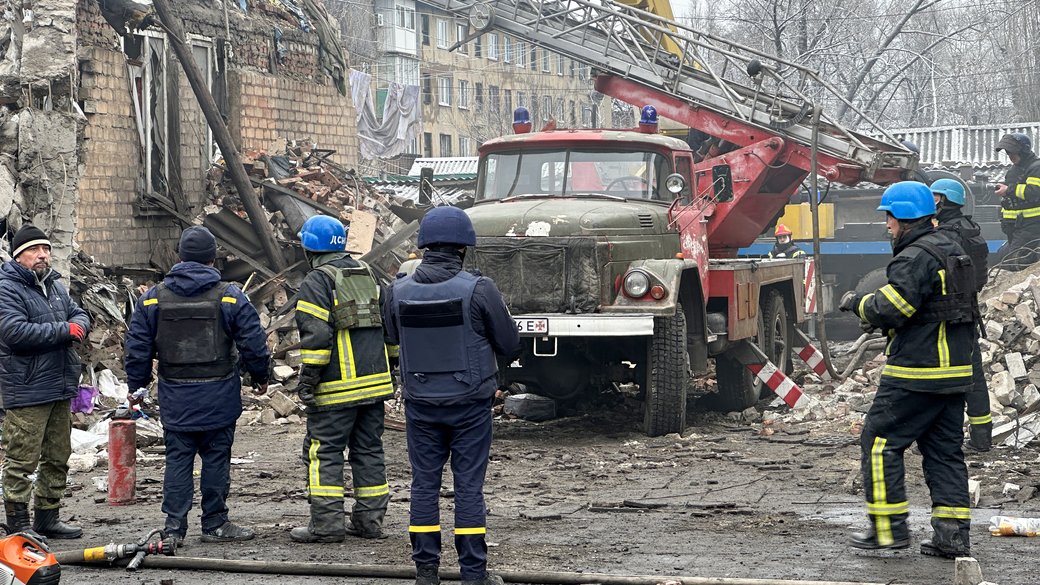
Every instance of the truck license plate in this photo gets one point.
(538, 326)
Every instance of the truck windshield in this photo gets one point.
(572, 173)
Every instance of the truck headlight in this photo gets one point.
(674, 183)
(636, 284)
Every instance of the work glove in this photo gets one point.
(77, 331)
(848, 301)
(306, 394)
(867, 327)
(310, 377)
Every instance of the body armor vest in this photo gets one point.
(357, 297)
(970, 238)
(442, 356)
(958, 304)
(190, 340)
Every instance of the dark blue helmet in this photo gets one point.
(322, 233)
(911, 146)
(446, 225)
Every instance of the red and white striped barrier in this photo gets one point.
(810, 287)
(814, 359)
(779, 383)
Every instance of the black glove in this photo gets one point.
(306, 394)
(310, 377)
(866, 327)
(848, 301)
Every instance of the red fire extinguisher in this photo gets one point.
(122, 462)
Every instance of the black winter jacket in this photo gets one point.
(922, 356)
(38, 364)
(1020, 207)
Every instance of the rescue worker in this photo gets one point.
(39, 374)
(949, 200)
(1019, 203)
(199, 328)
(344, 381)
(784, 247)
(451, 325)
(927, 311)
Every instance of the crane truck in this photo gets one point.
(616, 250)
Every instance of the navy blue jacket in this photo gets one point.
(200, 406)
(489, 315)
(38, 364)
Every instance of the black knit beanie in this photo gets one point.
(197, 245)
(27, 237)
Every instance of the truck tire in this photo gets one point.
(777, 335)
(667, 376)
(737, 387)
(872, 281)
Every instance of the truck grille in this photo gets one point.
(541, 275)
(646, 220)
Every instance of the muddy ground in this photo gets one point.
(589, 493)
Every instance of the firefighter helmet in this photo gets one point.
(782, 230)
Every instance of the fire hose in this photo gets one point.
(112, 552)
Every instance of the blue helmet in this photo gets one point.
(910, 146)
(908, 200)
(950, 189)
(648, 115)
(322, 233)
(446, 225)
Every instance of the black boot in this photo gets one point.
(427, 575)
(950, 540)
(980, 437)
(48, 524)
(869, 541)
(18, 519)
(367, 524)
(488, 579)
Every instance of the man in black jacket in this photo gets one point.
(39, 373)
(930, 321)
(1019, 203)
(452, 326)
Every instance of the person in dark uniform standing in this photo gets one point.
(199, 328)
(344, 381)
(784, 247)
(1019, 203)
(451, 326)
(949, 200)
(926, 308)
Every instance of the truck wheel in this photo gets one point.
(737, 386)
(667, 376)
(872, 281)
(776, 337)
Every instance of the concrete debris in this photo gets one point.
(966, 571)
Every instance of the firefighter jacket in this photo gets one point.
(788, 250)
(38, 363)
(1020, 207)
(924, 354)
(963, 230)
(480, 329)
(347, 367)
(203, 400)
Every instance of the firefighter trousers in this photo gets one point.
(897, 418)
(978, 398)
(463, 433)
(359, 431)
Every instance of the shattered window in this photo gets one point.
(146, 62)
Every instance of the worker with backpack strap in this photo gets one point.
(784, 247)
(927, 310)
(949, 199)
(344, 381)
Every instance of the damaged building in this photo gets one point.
(102, 136)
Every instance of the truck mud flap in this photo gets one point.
(811, 356)
(756, 361)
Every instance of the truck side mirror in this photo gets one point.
(722, 183)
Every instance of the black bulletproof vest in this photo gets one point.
(970, 238)
(959, 304)
(190, 339)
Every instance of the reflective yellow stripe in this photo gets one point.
(461, 531)
(314, 486)
(897, 300)
(312, 310)
(980, 420)
(327, 492)
(1031, 212)
(863, 302)
(342, 397)
(371, 491)
(318, 357)
(943, 346)
(1020, 192)
(370, 380)
(1009, 213)
(150, 302)
(1034, 181)
(393, 350)
(882, 523)
(346, 348)
(436, 528)
(231, 300)
(926, 373)
(951, 512)
(876, 509)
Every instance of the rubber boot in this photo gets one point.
(367, 524)
(229, 532)
(488, 579)
(869, 541)
(48, 524)
(950, 540)
(18, 520)
(306, 534)
(980, 437)
(427, 575)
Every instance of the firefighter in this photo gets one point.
(784, 247)
(926, 308)
(451, 325)
(949, 199)
(1019, 203)
(193, 323)
(344, 381)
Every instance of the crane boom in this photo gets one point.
(727, 90)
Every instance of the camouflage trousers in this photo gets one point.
(37, 439)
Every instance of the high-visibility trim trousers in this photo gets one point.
(463, 433)
(896, 419)
(978, 398)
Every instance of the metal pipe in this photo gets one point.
(408, 572)
(814, 205)
(875, 343)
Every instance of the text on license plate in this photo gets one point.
(540, 326)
